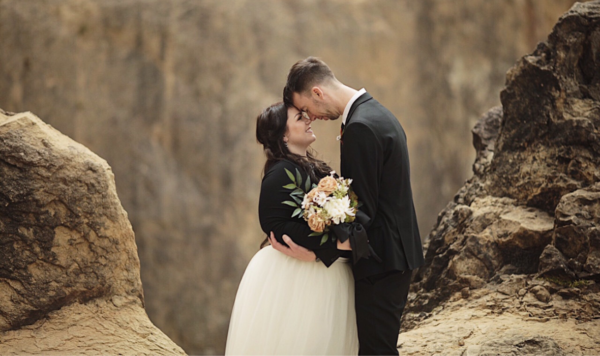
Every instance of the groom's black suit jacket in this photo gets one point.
(374, 154)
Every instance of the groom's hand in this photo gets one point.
(296, 251)
(345, 246)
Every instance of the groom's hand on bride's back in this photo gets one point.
(296, 251)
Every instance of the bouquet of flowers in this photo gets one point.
(330, 202)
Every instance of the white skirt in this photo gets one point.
(288, 307)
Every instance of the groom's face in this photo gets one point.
(315, 106)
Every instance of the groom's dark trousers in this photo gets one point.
(380, 301)
(374, 154)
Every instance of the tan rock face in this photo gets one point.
(65, 241)
(513, 316)
(99, 327)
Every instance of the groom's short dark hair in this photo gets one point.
(304, 75)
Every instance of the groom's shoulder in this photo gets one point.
(372, 108)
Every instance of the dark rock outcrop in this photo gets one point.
(533, 204)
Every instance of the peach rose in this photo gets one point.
(311, 194)
(308, 199)
(316, 224)
(328, 185)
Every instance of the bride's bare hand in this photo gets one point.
(344, 245)
(296, 251)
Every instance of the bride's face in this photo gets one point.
(299, 132)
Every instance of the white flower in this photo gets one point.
(320, 198)
(343, 189)
(338, 209)
(306, 201)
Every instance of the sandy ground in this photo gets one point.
(478, 325)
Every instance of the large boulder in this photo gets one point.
(514, 259)
(69, 270)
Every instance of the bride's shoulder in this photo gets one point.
(279, 168)
(284, 164)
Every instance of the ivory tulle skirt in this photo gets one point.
(289, 307)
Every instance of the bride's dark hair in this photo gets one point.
(271, 125)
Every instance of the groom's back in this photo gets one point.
(393, 233)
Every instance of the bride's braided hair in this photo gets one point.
(271, 125)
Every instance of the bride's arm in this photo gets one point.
(276, 217)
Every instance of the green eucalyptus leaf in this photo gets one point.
(296, 199)
(290, 186)
(298, 211)
(290, 203)
(291, 175)
(298, 192)
(315, 234)
(298, 178)
(307, 186)
(324, 239)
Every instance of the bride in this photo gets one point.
(283, 305)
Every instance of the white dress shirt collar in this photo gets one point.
(349, 105)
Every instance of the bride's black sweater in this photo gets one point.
(277, 217)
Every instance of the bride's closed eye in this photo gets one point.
(303, 116)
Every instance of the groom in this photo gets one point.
(375, 155)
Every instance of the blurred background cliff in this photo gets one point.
(168, 92)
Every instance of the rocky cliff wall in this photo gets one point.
(167, 93)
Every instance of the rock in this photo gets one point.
(541, 294)
(521, 346)
(554, 264)
(496, 324)
(569, 293)
(576, 235)
(68, 258)
(496, 236)
(592, 264)
(549, 143)
(94, 328)
(465, 292)
(532, 204)
(511, 285)
(485, 133)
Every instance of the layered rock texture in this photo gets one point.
(167, 92)
(69, 270)
(519, 244)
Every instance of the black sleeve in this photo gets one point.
(277, 217)
(362, 160)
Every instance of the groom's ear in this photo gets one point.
(316, 93)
